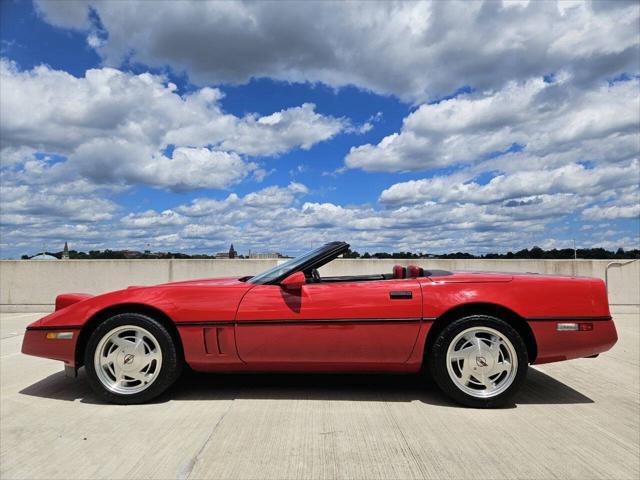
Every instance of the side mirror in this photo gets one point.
(295, 281)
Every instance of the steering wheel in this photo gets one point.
(315, 275)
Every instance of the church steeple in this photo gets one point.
(65, 252)
(232, 252)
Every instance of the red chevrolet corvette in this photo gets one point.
(474, 333)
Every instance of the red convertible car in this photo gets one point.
(474, 333)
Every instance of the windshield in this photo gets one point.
(278, 270)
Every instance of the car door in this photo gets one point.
(366, 323)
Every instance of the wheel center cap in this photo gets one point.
(480, 361)
(128, 361)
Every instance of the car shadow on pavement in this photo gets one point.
(539, 388)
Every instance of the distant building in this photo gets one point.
(258, 255)
(65, 252)
(230, 254)
(43, 256)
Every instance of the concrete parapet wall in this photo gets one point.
(33, 285)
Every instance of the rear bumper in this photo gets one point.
(554, 346)
(36, 343)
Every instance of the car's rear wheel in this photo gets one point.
(131, 358)
(479, 361)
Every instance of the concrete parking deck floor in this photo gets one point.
(577, 419)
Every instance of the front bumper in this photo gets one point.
(36, 343)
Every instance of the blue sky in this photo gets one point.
(424, 126)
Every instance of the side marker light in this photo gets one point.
(59, 335)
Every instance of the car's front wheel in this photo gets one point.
(479, 361)
(131, 358)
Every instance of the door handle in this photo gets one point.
(400, 295)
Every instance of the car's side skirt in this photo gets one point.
(306, 321)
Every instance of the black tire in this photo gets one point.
(437, 360)
(170, 368)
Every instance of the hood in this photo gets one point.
(203, 282)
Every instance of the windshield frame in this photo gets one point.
(307, 261)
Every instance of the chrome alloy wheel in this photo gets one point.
(482, 362)
(128, 359)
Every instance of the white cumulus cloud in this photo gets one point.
(416, 50)
(114, 126)
(542, 117)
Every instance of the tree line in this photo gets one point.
(533, 253)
